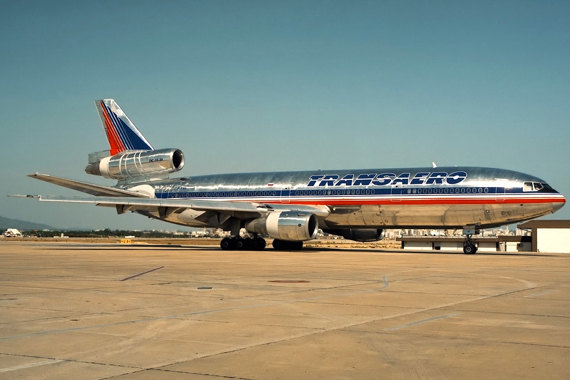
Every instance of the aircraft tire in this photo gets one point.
(278, 244)
(239, 243)
(226, 244)
(286, 245)
(248, 243)
(469, 249)
(259, 244)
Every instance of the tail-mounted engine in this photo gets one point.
(131, 164)
(286, 225)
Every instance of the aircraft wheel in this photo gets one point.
(286, 245)
(297, 245)
(259, 244)
(279, 244)
(226, 243)
(238, 243)
(469, 249)
(248, 243)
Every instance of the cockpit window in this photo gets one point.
(538, 186)
(545, 188)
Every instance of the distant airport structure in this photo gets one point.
(290, 207)
(549, 235)
(12, 232)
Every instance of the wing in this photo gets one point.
(199, 205)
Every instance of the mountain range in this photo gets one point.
(22, 224)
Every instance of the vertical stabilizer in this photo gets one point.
(121, 132)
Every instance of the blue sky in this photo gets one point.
(262, 86)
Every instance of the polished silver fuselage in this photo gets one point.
(443, 197)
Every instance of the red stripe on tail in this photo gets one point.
(115, 142)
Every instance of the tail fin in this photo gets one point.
(121, 132)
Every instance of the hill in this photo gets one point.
(22, 224)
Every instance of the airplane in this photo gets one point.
(291, 207)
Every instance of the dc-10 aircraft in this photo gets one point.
(291, 206)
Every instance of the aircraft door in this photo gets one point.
(285, 194)
(396, 193)
(500, 193)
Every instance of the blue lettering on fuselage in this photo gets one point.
(386, 179)
(364, 179)
(383, 179)
(436, 178)
(456, 177)
(345, 181)
(419, 178)
(402, 179)
(328, 180)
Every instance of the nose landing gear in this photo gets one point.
(469, 246)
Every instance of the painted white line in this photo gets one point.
(415, 323)
(30, 365)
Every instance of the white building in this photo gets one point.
(12, 232)
(552, 236)
(455, 244)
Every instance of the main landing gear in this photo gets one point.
(238, 243)
(287, 245)
(258, 244)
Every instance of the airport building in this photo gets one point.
(549, 235)
(552, 236)
(455, 244)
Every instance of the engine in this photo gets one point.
(136, 163)
(358, 234)
(286, 225)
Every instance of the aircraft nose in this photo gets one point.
(561, 203)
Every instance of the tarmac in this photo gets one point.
(104, 311)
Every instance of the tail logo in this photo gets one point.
(121, 132)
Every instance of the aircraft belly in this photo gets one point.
(444, 216)
(388, 216)
(511, 213)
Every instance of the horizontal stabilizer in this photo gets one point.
(88, 188)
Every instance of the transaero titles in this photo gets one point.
(385, 179)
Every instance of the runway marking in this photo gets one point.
(140, 274)
(543, 293)
(30, 365)
(421, 321)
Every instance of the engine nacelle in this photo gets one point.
(286, 225)
(358, 234)
(137, 163)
